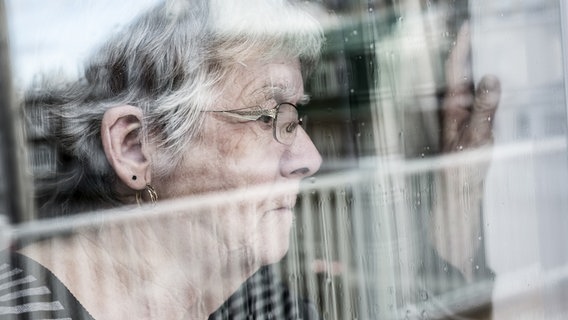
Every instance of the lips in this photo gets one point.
(281, 203)
(286, 204)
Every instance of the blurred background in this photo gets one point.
(360, 245)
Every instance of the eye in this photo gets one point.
(265, 121)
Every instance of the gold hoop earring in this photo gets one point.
(151, 193)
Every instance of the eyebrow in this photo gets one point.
(283, 93)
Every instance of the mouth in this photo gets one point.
(283, 209)
(283, 205)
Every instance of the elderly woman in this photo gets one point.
(195, 97)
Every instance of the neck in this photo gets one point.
(152, 277)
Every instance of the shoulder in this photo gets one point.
(30, 291)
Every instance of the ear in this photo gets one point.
(122, 144)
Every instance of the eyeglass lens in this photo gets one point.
(286, 123)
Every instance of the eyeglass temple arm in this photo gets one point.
(251, 115)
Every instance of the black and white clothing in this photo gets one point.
(264, 297)
(30, 291)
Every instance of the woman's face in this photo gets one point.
(237, 156)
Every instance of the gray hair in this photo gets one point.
(172, 63)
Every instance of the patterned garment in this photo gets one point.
(30, 291)
(264, 297)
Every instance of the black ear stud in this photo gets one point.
(134, 178)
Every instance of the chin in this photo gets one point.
(276, 240)
(275, 254)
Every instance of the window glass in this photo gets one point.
(440, 191)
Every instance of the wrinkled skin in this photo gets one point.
(167, 262)
(232, 155)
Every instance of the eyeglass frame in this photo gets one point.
(254, 115)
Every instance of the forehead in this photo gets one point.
(257, 81)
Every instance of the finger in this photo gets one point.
(459, 97)
(485, 104)
(455, 116)
(458, 67)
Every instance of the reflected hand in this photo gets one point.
(467, 117)
(467, 123)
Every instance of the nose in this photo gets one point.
(301, 159)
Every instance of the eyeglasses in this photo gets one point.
(283, 118)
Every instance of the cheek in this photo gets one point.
(225, 158)
(247, 155)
